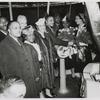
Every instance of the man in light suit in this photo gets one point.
(16, 60)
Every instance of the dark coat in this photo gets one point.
(16, 60)
(83, 36)
(2, 36)
(47, 61)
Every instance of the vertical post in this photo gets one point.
(10, 11)
(70, 6)
(38, 11)
(63, 89)
(0, 11)
(48, 7)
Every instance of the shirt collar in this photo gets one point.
(14, 39)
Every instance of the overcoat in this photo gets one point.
(47, 60)
(2, 35)
(21, 61)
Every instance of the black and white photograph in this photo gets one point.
(49, 49)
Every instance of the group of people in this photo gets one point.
(30, 53)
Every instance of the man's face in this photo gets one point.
(15, 30)
(30, 34)
(50, 21)
(57, 19)
(3, 23)
(23, 22)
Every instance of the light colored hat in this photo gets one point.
(28, 31)
(41, 21)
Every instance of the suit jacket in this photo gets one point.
(16, 60)
(2, 35)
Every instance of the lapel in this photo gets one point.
(49, 30)
(3, 32)
(12, 41)
(21, 49)
(14, 44)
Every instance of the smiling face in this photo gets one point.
(78, 20)
(50, 21)
(14, 29)
(22, 20)
(3, 23)
(57, 19)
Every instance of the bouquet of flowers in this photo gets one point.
(67, 34)
(79, 43)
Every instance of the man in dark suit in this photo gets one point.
(3, 28)
(16, 60)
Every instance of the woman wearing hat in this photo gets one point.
(47, 72)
